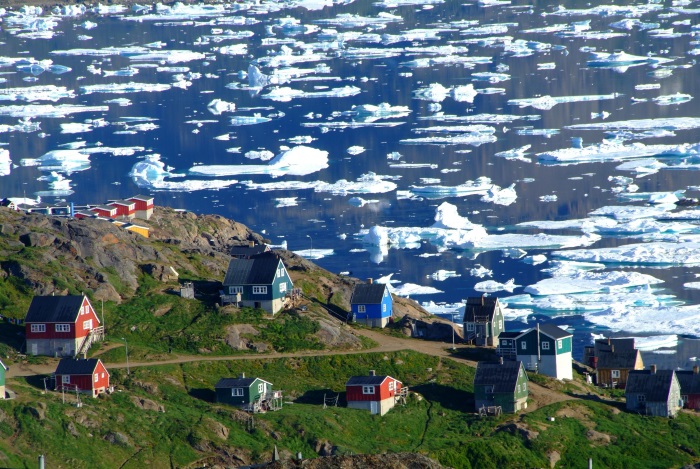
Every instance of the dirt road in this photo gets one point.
(540, 395)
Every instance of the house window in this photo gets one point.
(283, 287)
(615, 373)
(361, 309)
(38, 327)
(523, 344)
(500, 324)
(391, 385)
(261, 387)
(87, 325)
(470, 326)
(684, 399)
(367, 389)
(65, 379)
(280, 272)
(103, 375)
(97, 377)
(236, 392)
(384, 308)
(545, 345)
(62, 327)
(524, 387)
(559, 344)
(260, 290)
(642, 399)
(86, 309)
(234, 290)
(518, 389)
(488, 389)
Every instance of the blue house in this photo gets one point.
(371, 304)
(259, 281)
(546, 349)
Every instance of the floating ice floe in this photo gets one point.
(480, 186)
(5, 162)
(656, 342)
(613, 150)
(286, 202)
(372, 113)
(218, 107)
(667, 100)
(297, 161)
(666, 123)
(545, 103)
(435, 92)
(412, 289)
(249, 120)
(442, 275)
(492, 286)
(480, 271)
(284, 94)
(499, 196)
(347, 20)
(360, 202)
(48, 110)
(123, 88)
(36, 93)
(151, 174)
(314, 253)
(355, 150)
(621, 61)
(369, 183)
(648, 254)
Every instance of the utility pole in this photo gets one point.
(126, 345)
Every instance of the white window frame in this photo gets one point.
(87, 324)
(237, 392)
(283, 287)
(62, 327)
(361, 308)
(500, 324)
(523, 344)
(38, 328)
(65, 379)
(234, 290)
(280, 272)
(367, 389)
(261, 387)
(391, 385)
(545, 345)
(615, 374)
(559, 344)
(97, 377)
(384, 308)
(524, 387)
(259, 289)
(470, 326)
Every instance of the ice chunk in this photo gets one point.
(152, 174)
(5, 162)
(314, 253)
(480, 271)
(547, 102)
(285, 94)
(122, 88)
(492, 286)
(442, 275)
(355, 150)
(667, 100)
(610, 150)
(480, 186)
(499, 196)
(652, 254)
(218, 107)
(297, 161)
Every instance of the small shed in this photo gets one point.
(251, 394)
(690, 387)
(143, 206)
(502, 384)
(84, 375)
(378, 394)
(371, 304)
(652, 392)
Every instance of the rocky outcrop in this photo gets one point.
(362, 461)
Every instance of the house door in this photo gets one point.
(258, 305)
(35, 349)
(374, 407)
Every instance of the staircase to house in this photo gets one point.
(94, 335)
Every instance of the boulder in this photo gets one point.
(34, 239)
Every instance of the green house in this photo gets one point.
(3, 369)
(260, 281)
(501, 385)
(251, 394)
(546, 349)
(483, 321)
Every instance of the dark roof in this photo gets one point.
(555, 332)
(144, 198)
(655, 386)
(509, 335)
(689, 381)
(70, 366)
(248, 251)
(608, 344)
(259, 270)
(503, 377)
(54, 309)
(618, 360)
(481, 306)
(367, 380)
(368, 293)
(236, 382)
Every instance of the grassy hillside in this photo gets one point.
(165, 416)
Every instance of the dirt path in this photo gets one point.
(540, 395)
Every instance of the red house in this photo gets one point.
(690, 387)
(88, 376)
(107, 211)
(62, 326)
(144, 206)
(125, 208)
(378, 394)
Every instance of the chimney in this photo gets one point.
(612, 349)
(369, 281)
(372, 373)
(251, 244)
(609, 341)
(483, 300)
(242, 375)
(652, 368)
(695, 370)
(500, 360)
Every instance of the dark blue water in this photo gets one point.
(320, 218)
